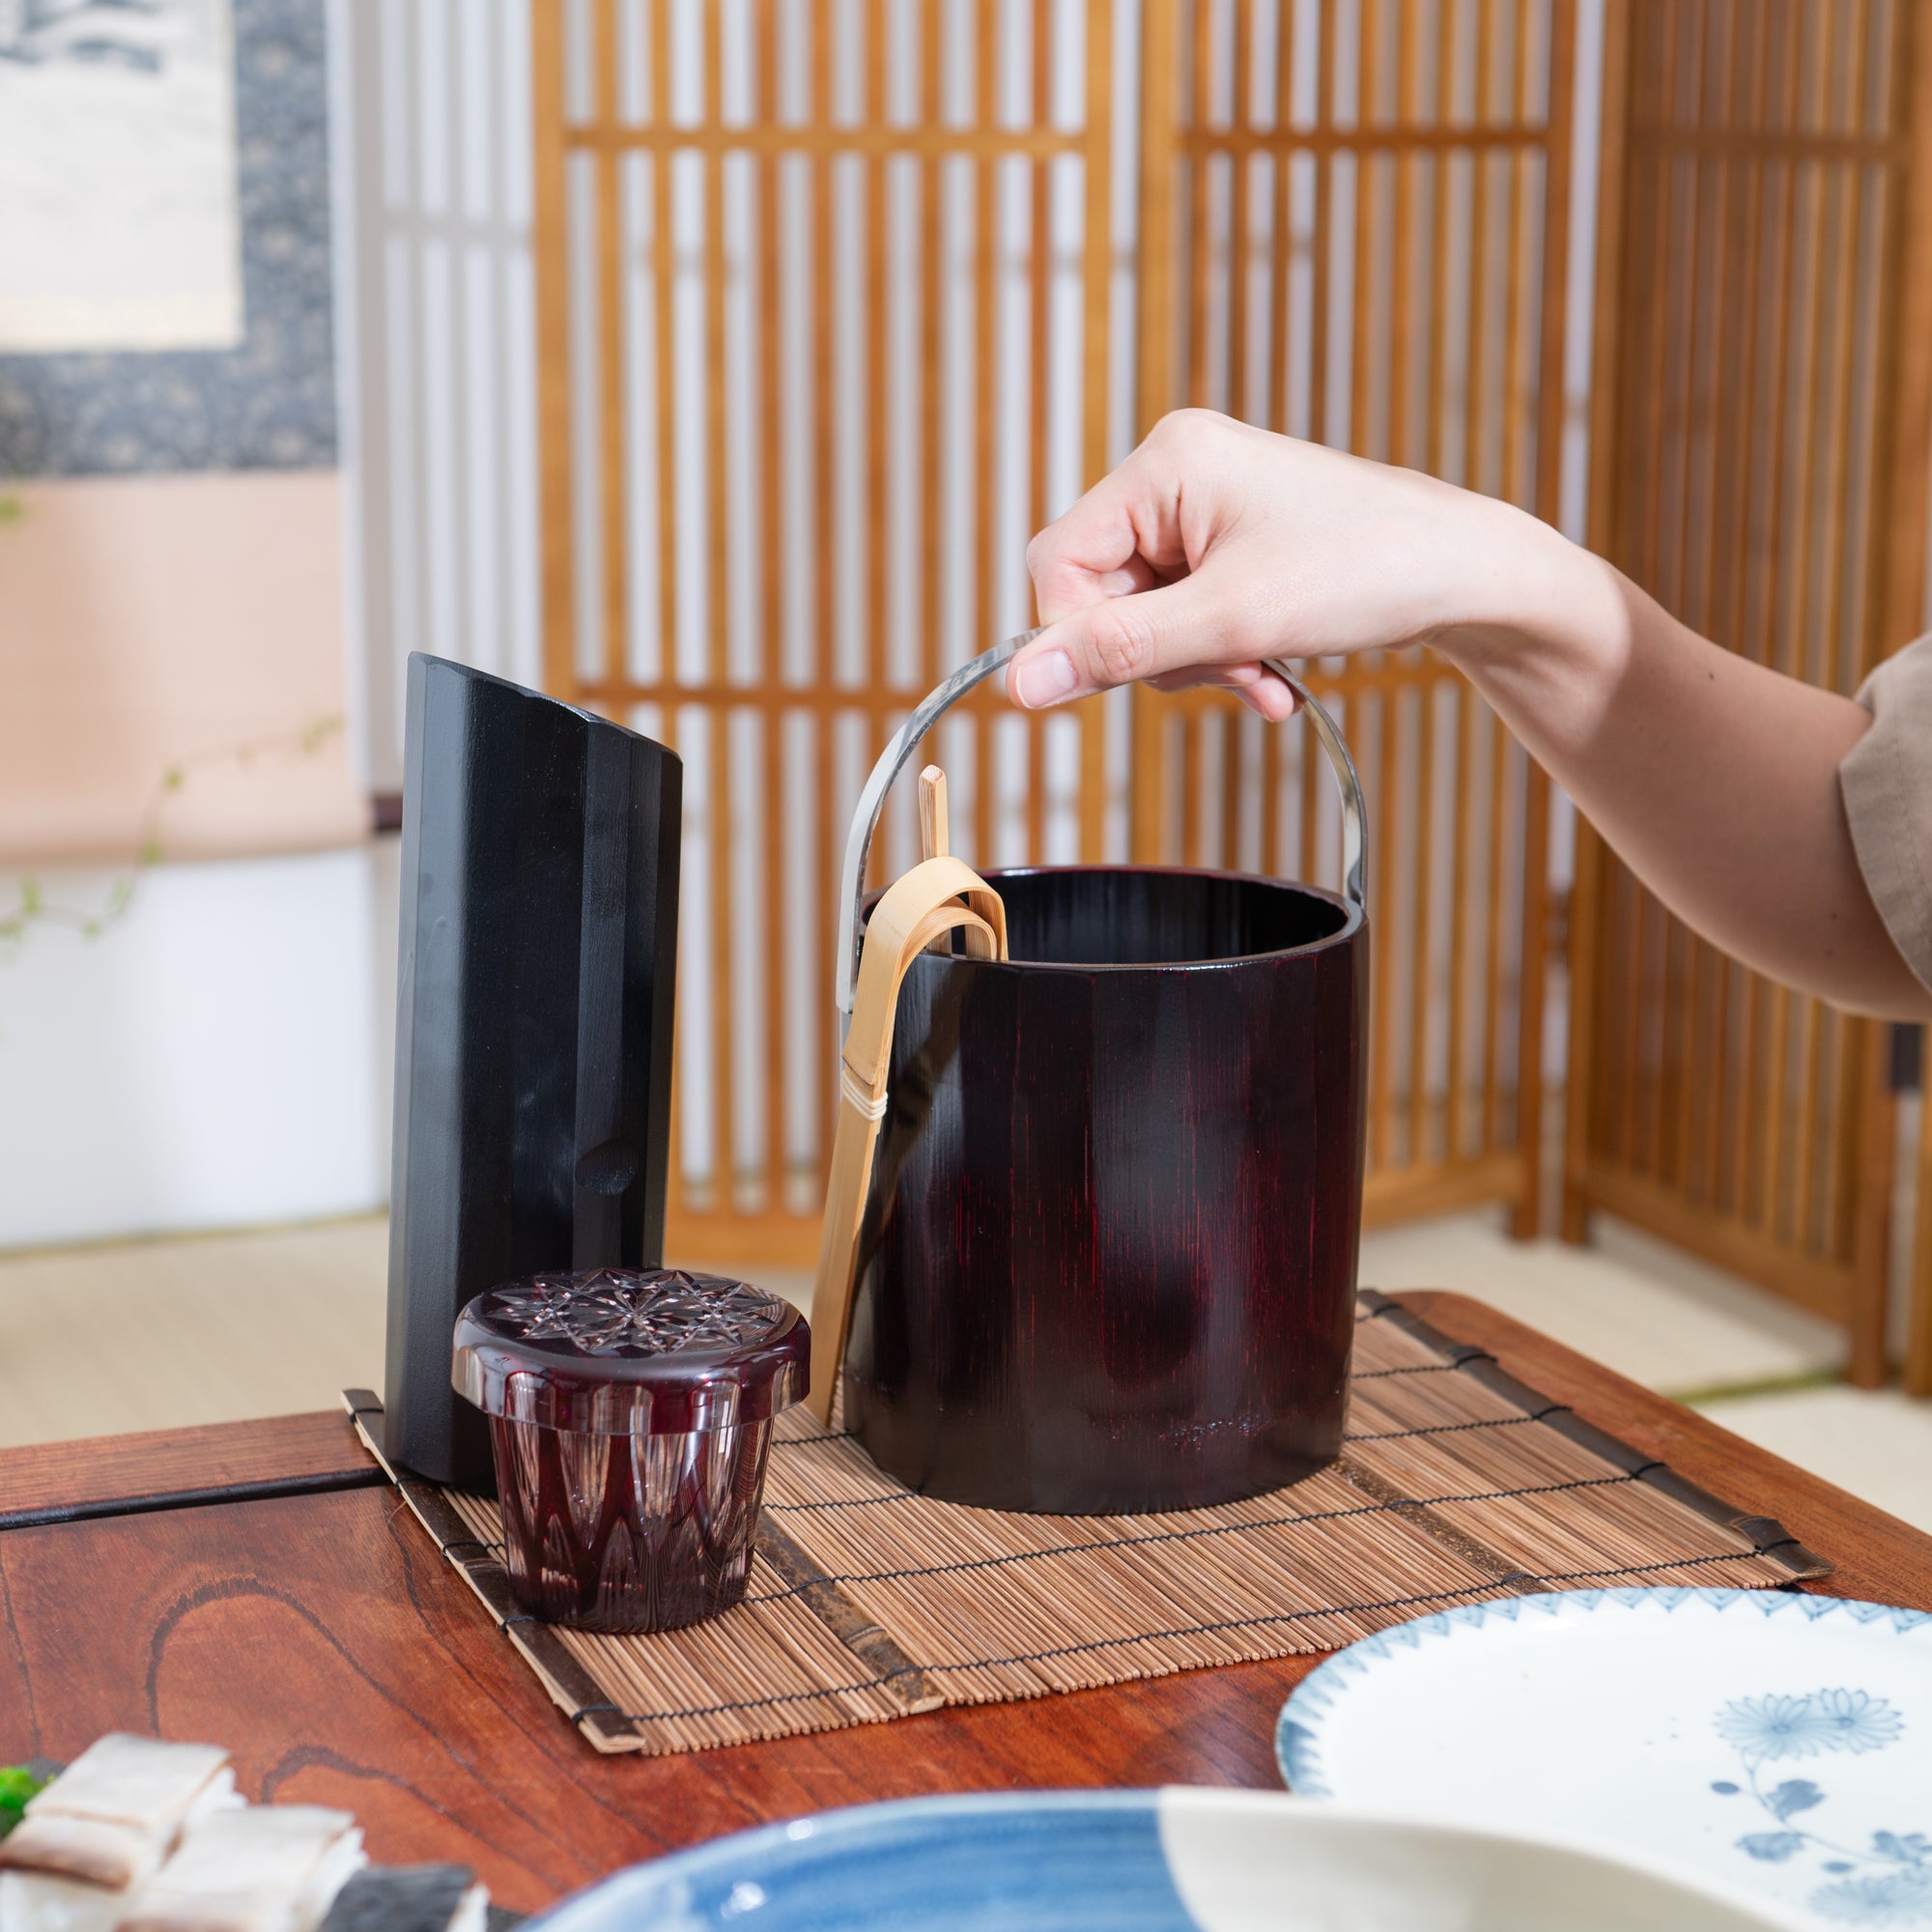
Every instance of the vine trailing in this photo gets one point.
(34, 908)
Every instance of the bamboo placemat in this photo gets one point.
(867, 1602)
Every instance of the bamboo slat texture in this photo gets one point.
(1762, 442)
(1355, 230)
(1456, 1483)
(824, 317)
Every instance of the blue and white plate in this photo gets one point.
(1136, 1861)
(1779, 1745)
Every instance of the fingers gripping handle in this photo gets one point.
(1354, 814)
(945, 696)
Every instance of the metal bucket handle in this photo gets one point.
(942, 698)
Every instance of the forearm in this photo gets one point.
(1216, 547)
(1713, 778)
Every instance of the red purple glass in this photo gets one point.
(630, 1415)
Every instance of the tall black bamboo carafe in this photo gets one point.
(533, 1022)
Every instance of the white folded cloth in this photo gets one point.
(269, 1868)
(102, 1827)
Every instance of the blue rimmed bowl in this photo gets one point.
(1174, 1861)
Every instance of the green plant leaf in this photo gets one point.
(18, 1784)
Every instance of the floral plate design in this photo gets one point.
(1776, 1742)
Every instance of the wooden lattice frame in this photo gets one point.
(1426, 1155)
(785, 1229)
(1732, 1117)
(1415, 115)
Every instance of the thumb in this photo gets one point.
(1113, 643)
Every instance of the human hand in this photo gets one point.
(1217, 545)
(1718, 781)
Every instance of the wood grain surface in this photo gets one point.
(324, 1639)
(160, 1468)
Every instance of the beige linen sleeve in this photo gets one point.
(1887, 781)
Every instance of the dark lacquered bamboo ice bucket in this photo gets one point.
(1108, 1262)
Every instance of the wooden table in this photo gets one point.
(255, 1585)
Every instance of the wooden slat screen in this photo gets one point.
(828, 306)
(823, 309)
(1355, 230)
(1760, 457)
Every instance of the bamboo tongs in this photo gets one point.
(941, 895)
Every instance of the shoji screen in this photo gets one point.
(440, 432)
(1355, 230)
(1764, 345)
(825, 315)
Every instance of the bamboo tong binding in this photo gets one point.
(918, 911)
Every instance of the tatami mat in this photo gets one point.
(268, 1322)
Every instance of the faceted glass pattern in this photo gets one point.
(622, 1313)
(640, 1532)
(631, 1416)
(620, 1351)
